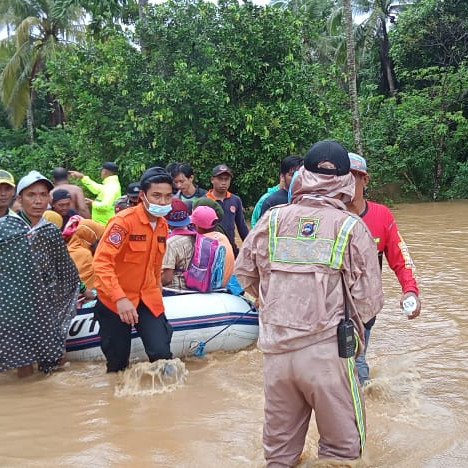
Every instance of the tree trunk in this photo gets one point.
(351, 63)
(30, 123)
(386, 62)
(142, 5)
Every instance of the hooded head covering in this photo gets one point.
(79, 248)
(306, 183)
(53, 217)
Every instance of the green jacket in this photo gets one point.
(258, 207)
(106, 194)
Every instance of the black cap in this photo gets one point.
(110, 166)
(221, 169)
(327, 151)
(60, 194)
(153, 172)
(133, 189)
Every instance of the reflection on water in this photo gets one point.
(417, 414)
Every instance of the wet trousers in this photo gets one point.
(155, 333)
(313, 378)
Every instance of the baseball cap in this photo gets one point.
(221, 169)
(6, 178)
(110, 166)
(178, 216)
(327, 151)
(357, 163)
(31, 178)
(60, 194)
(133, 189)
(204, 217)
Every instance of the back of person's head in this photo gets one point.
(290, 163)
(179, 215)
(204, 217)
(327, 157)
(182, 168)
(154, 175)
(60, 174)
(205, 201)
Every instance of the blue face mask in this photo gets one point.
(157, 210)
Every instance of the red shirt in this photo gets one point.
(383, 227)
(128, 260)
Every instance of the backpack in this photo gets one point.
(206, 268)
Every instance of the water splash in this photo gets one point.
(150, 378)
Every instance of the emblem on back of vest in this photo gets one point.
(308, 227)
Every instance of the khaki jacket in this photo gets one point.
(293, 258)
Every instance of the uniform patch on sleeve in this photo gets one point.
(116, 235)
(162, 239)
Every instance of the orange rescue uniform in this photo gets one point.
(128, 260)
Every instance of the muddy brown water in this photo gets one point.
(417, 411)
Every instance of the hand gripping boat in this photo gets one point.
(209, 322)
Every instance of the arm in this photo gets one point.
(363, 274)
(246, 269)
(92, 186)
(81, 206)
(240, 220)
(400, 261)
(167, 276)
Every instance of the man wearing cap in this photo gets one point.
(42, 292)
(179, 246)
(205, 220)
(127, 268)
(131, 199)
(102, 208)
(61, 204)
(221, 177)
(383, 227)
(78, 203)
(306, 262)
(7, 192)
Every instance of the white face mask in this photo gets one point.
(157, 210)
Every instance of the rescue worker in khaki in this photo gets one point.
(293, 261)
(127, 266)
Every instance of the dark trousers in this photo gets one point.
(155, 333)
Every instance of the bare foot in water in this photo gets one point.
(25, 371)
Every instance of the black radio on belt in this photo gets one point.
(346, 338)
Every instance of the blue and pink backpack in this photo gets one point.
(206, 269)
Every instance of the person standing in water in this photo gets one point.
(383, 227)
(307, 262)
(127, 267)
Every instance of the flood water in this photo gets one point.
(417, 411)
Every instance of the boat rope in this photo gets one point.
(198, 347)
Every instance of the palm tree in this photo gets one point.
(375, 29)
(38, 34)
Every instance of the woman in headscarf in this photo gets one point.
(81, 248)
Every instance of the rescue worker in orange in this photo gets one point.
(308, 262)
(127, 266)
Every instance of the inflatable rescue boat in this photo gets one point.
(202, 322)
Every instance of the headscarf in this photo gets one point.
(89, 232)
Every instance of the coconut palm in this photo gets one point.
(38, 34)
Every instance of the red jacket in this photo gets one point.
(128, 260)
(383, 227)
